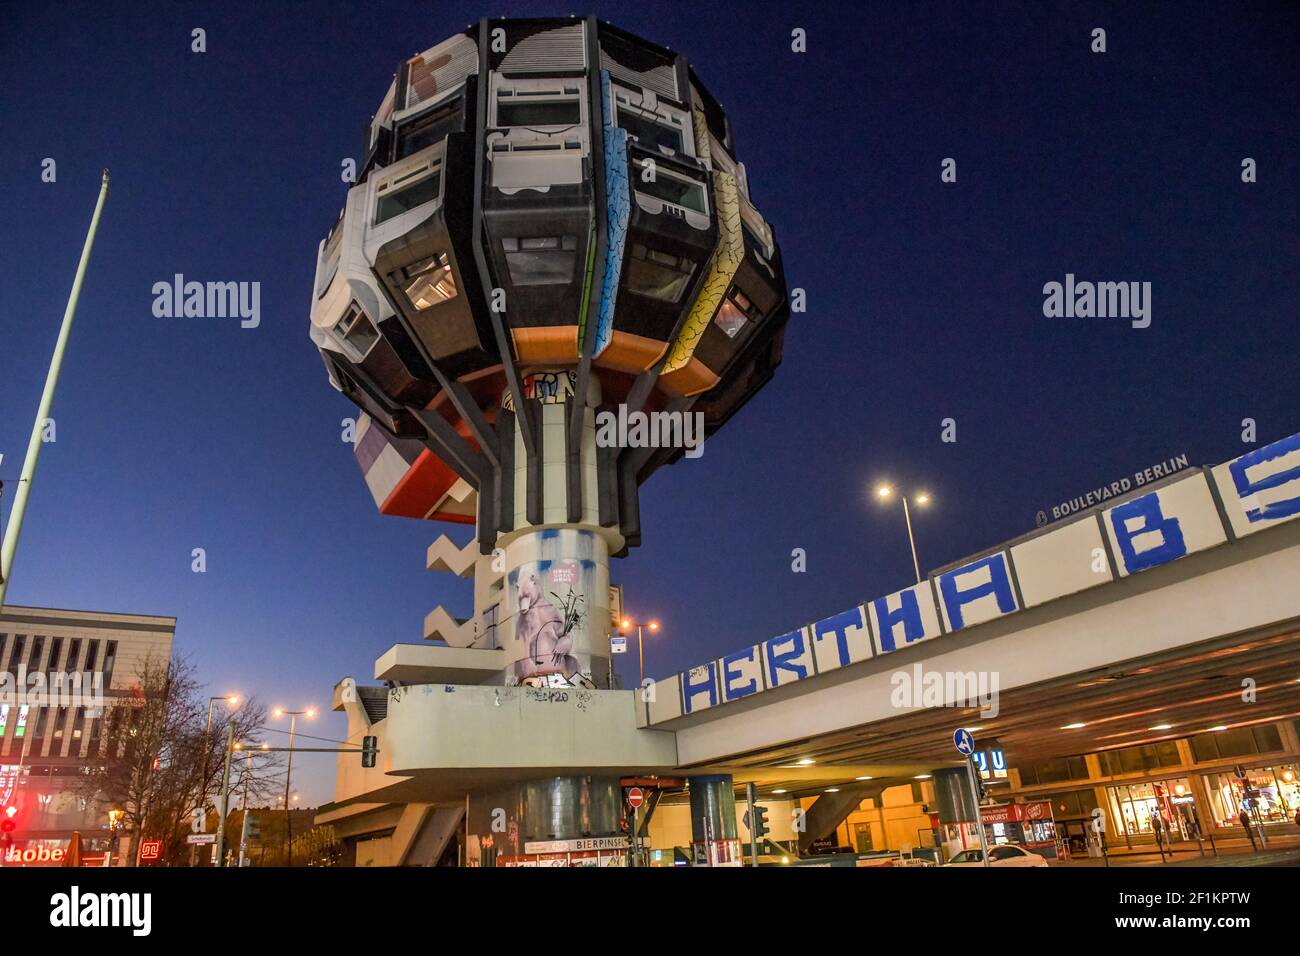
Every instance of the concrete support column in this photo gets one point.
(714, 838)
(539, 820)
(555, 625)
(952, 795)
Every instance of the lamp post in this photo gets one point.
(115, 816)
(625, 625)
(233, 701)
(9, 546)
(884, 492)
(288, 773)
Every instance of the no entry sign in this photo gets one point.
(635, 797)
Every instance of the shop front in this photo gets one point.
(1271, 794)
(1166, 808)
(1026, 825)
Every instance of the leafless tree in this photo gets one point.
(158, 764)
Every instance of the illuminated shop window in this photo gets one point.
(650, 131)
(734, 313)
(670, 188)
(658, 274)
(408, 191)
(4, 718)
(359, 332)
(20, 729)
(541, 260)
(428, 281)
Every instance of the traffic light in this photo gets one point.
(8, 824)
(369, 747)
(760, 828)
(980, 790)
(252, 829)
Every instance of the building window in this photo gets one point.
(16, 655)
(1140, 759)
(409, 191)
(1237, 742)
(358, 331)
(670, 188)
(650, 131)
(524, 112)
(541, 260)
(74, 655)
(1271, 793)
(428, 128)
(734, 313)
(92, 654)
(658, 274)
(34, 658)
(1072, 803)
(56, 651)
(330, 258)
(1054, 771)
(427, 282)
(110, 658)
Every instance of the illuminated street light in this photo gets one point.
(231, 701)
(626, 625)
(293, 716)
(884, 492)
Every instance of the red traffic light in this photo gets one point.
(7, 825)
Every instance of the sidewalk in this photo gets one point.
(1232, 851)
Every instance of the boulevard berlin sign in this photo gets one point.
(1144, 476)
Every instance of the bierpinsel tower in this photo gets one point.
(551, 228)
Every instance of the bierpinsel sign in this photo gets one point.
(1122, 486)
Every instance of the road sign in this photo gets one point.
(618, 645)
(201, 838)
(963, 741)
(635, 797)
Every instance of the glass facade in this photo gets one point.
(1275, 792)
(1136, 807)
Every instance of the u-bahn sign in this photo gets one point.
(1201, 508)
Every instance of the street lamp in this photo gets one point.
(231, 700)
(293, 715)
(884, 493)
(627, 624)
(115, 815)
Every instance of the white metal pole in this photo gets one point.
(907, 515)
(47, 399)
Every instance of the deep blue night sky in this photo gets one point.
(924, 303)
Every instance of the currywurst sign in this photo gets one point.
(1096, 496)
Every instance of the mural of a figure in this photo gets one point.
(545, 630)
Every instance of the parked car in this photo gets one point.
(1004, 855)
